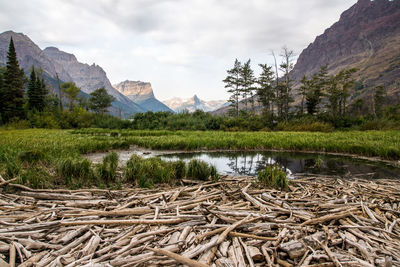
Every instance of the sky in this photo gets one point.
(183, 47)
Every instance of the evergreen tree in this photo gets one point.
(265, 91)
(100, 100)
(37, 91)
(32, 90)
(1, 96)
(13, 89)
(43, 93)
(379, 99)
(337, 91)
(315, 89)
(247, 81)
(71, 91)
(233, 83)
(285, 92)
(305, 83)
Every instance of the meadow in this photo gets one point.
(39, 156)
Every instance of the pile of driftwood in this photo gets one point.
(317, 222)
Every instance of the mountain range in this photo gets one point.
(194, 103)
(142, 94)
(58, 66)
(366, 37)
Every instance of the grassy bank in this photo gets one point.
(384, 144)
(38, 153)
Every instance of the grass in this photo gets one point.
(56, 152)
(107, 170)
(273, 176)
(200, 170)
(149, 172)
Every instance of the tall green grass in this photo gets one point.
(45, 149)
(152, 171)
(273, 176)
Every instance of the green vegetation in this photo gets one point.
(198, 169)
(273, 176)
(57, 154)
(107, 170)
(152, 171)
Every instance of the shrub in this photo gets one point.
(305, 125)
(17, 124)
(108, 169)
(43, 120)
(273, 176)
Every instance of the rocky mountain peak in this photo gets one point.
(366, 37)
(196, 100)
(61, 56)
(135, 89)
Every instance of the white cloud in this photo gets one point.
(182, 46)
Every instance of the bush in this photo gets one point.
(306, 124)
(108, 169)
(43, 120)
(273, 176)
(380, 125)
(17, 124)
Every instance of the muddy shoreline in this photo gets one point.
(97, 156)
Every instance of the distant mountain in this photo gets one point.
(52, 61)
(192, 104)
(367, 37)
(141, 93)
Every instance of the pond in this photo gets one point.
(250, 163)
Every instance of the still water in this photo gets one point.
(250, 163)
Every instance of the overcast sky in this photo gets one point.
(183, 47)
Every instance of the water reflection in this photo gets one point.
(250, 163)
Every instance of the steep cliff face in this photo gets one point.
(135, 90)
(53, 61)
(141, 93)
(29, 54)
(87, 77)
(366, 37)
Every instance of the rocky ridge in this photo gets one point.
(53, 61)
(141, 93)
(194, 103)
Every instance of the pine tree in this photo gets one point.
(303, 92)
(247, 81)
(379, 100)
(315, 89)
(100, 100)
(71, 91)
(233, 83)
(43, 92)
(265, 91)
(32, 90)
(14, 82)
(286, 66)
(1, 96)
(37, 91)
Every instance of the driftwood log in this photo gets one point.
(318, 221)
